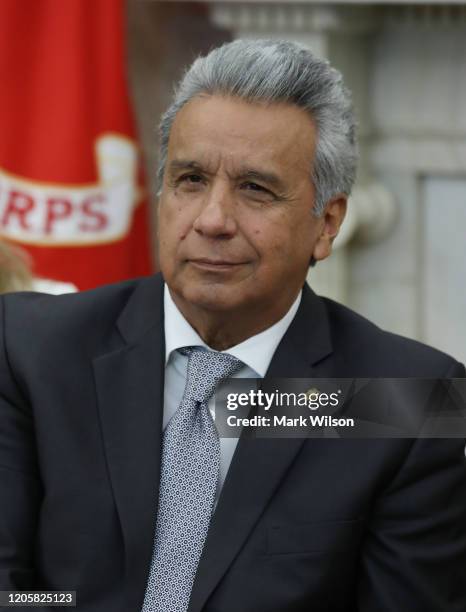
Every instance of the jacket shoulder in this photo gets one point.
(43, 323)
(380, 353)
(44, 308)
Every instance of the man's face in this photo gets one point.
(236, 229)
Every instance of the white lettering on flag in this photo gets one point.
(54, 214)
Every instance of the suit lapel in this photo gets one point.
(259, 464)
(130, 382)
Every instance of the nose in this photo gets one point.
(216, 218)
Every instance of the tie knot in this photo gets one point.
(206, 369)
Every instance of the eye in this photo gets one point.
(191, 178)
(190, 182)
(254, 187)
(257, 193)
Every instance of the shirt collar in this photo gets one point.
(256, 351)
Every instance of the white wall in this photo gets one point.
(417, 97)
(443, 282)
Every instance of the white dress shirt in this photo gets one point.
(255, 352)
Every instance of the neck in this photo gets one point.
(221, 330)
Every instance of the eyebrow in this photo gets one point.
(251, 174)
(185, 164)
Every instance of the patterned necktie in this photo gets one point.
(188, 482)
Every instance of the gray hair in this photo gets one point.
(279, 71)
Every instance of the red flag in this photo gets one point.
(70, 188)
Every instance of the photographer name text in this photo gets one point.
(284, 421)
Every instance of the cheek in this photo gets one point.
(284, 246)
(273, 247)
(174, 225)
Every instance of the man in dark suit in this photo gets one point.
(113, 482)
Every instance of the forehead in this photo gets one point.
(215, 130)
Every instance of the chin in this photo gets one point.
(213, 297)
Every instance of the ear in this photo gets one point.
(331, 220)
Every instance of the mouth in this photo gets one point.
(215, 265)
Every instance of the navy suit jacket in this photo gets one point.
(334, 525)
